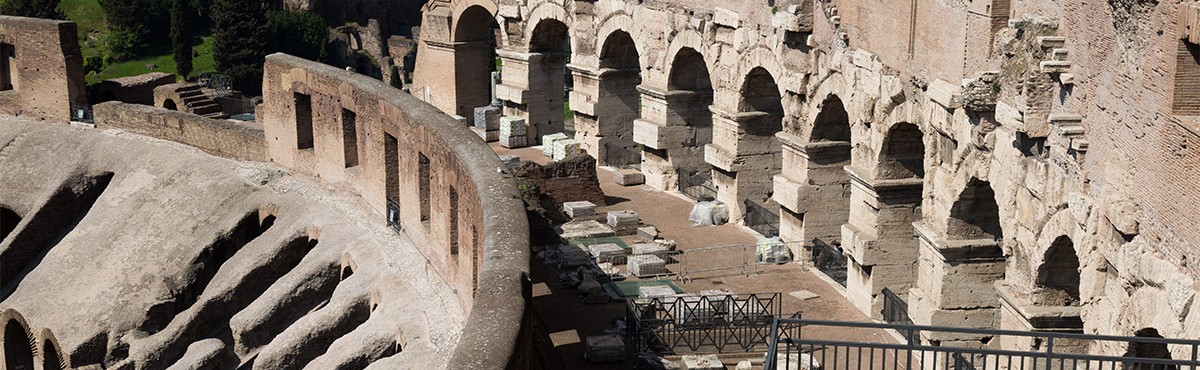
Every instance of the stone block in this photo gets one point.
(726, 17)
(623, 218)
(487, 118)
(512, 142)
(649, 248)
(486, 135)
(945, 94)
(628, 177)
(565, 148)
(513, 126)
(548, 143)
(702, 362)
(579, 209)
(604, 348)
(648, 233)
(607, 252)
(584, 229)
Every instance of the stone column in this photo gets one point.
(531, 87)
(1019, 312)
(743, 164)
(812, 191)
(668, 138)
(878, 238)
(954, 286)
(431, 84)
(606, 104)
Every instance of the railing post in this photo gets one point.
(1049, 351)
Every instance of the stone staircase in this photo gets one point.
(199, 103)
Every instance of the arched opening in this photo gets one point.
(828, 151)
(549, 80)
(1058, 277)
(50, 358)
(689, 96)
(833, 123)
(18, 347)
(474, 59)
(169, 104)
(8, 222)
(975, 215)
(760, 117)
(1147, 350)
(903, 154)
(618, 103)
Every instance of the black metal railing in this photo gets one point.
(895, 309)
(794, 346)
(697, 185)
(393, 215)
(761, 219)
(704, 324)
(829, 260)
(220, 83)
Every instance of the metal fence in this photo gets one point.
(393, 215)
(705, 324)
(761, 219)
(697, 185)
(793, 346)
(829, 260)
(81, 113)
(895, 309)
(222, 84)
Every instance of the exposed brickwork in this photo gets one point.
(45, 69)
(237, 140)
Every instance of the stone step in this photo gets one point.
(1079, 145)
(1055, 66)
(1059, 54)
(1049, 42)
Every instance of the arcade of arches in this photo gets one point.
(860, 146)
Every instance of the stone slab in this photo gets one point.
(579, 209)
(585, 229)
(628, 177)
(702, 362)
(487, 118)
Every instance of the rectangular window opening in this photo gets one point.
(475, 253)
(8, 68)
(304, 121)
(1186, 99)
(423, 182)
(350, 137)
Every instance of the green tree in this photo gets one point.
(134, 25)
(240, 42)
(298, 33)
(47, 9)
(181, 36)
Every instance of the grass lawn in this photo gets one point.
(161, 57)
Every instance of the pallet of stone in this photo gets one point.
(584, 229)
(579, 209)
(512, 126)
(656, 291)
(628, 177)
(548, 143)
(565, 148)
(513, 142)
(647, 233)
(486, 135)
(646, 265)
(604, 348)
(650, 248)
(607, 252)
(487, 118)
(624, 222)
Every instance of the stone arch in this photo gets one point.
(620, 22)
(975, 214)
(9, 220)
(18, 343)
(457, 8)
(474, 58)
(169, 104)
(549, 36)
(687, 39)
(1147, 350)
(902, 155)
(759, 57)
(538, 17)
(759, 117)
(52, 354)
(832, 122)
(618, 102)
(1058, 277)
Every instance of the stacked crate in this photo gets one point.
(548, 143)
(513, 132)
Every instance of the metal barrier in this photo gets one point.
(761, 219)
(830, 260)
(81, 113)
(789, 349)
(895, 309)
(222, 84)
(393, 215)
(704, 324)
(697, 185)
(709, 259)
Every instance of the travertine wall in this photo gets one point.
(44, 68)
(466, 182)
(237, 140)
(956, 139)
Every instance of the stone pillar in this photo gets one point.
(743, 164)
(669, 138)
(435, 85)
(1018, 312)
(605, 102)
(531, 87)
(954, 287)
(878, 238)
(813, 192)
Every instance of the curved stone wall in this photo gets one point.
(426, 175)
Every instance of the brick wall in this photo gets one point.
(237, 140)
(46, 69)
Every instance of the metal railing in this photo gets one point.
(222, 84)
(744, 258)
(703, 324)
(895, 309)
(790, 349)
(393, 215)
(697, 185)
(761, 219)
(81, 113)
(829, 260)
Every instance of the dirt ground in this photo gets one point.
(567, 320)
